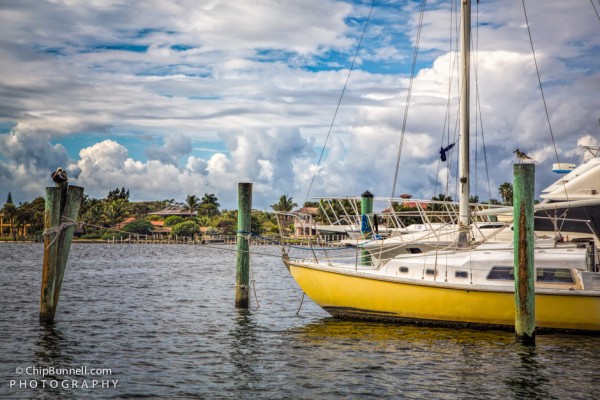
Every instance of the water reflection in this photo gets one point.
(527, 379)
(50, 345)
(51, 351)
(245, 351)
(331, 328)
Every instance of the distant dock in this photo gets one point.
(326, 241)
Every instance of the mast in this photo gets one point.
(464, 232)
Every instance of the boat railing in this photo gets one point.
(432, 224)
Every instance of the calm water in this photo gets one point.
(161, 318)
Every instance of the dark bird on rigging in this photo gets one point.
(444, 150)
(59, 176)
(521, 156)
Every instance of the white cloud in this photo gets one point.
(175, 147)
(248, 78)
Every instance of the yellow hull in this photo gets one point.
(358, 296)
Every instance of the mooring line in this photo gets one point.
(57, 230)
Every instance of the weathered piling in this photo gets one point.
(61, 210)
(242, 275)
(524, 269)
(366, 209)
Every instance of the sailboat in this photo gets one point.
(570, 208)
(464, 285)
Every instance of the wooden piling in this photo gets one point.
(63, 200)
(242, 275)
(366, 209)
(524, 268)
(51, 221)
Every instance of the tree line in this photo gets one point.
(100, 216)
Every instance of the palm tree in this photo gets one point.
(506, 192)
(191, 203)
(114, 211)
(209, 205)
(93, 218)
(285, 204)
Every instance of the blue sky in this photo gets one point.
(178, 97)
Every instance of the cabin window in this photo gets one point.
(414, 250)
(461, 274)
(554, 275)
(430, 271)
(403, 270)
(502, 273)
(491, 226)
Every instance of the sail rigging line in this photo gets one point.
(337, 108)
(451, 67)
(408, 94)
(595, 9)
(485, 161)
(544, 101)
(537, 70)
(478, 114)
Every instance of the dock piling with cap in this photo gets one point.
(524, 241)
(61, 210)
(242, 275)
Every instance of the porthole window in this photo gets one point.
(461, 274)
(403, 270)
(430, 271)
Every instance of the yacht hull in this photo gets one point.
(360, 295)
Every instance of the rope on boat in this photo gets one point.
(301, 302)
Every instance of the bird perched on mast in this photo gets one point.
(59, 176)
(521, 156)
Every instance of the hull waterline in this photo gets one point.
(355, 295)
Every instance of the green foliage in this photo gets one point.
(91, 236)
(31, 214)
(118, 194)
(209, 205)
(407, 215)
(203, 220)
(9, 198)
(173, 220)
(212, 231)
(226, 222)
(116, 235)
(192, 203)
(263, 222)
(285, 204)
(255, 226)
(140, 226)
(442, 197)
(115, 211)
(506, 192)
(10, 212)
(143, 208)
(93, 216)
(186, 228)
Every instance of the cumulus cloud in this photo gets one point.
(175, 147)
(259, 82)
